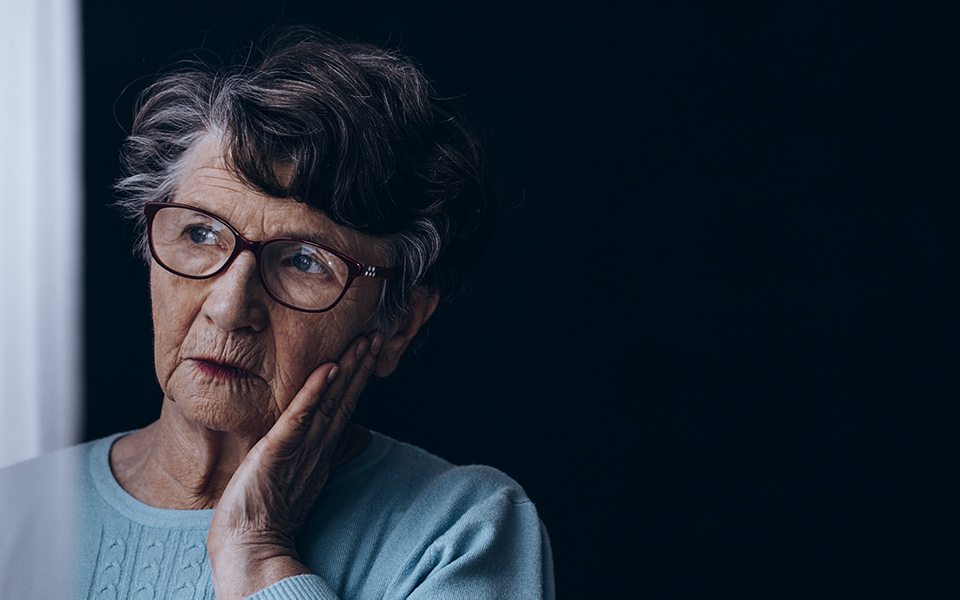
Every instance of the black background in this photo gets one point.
(707, 338)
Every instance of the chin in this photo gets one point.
(226, 408)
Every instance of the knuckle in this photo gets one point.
(302, 419)
(349, 403)
(330, 407)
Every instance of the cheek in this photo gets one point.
(173, 315)
(303, 345)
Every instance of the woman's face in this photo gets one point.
(230, 356)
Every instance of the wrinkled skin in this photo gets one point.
(258, 447)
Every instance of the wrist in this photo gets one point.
(241, 572)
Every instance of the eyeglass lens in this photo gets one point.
(296, 272)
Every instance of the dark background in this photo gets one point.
(707, 338)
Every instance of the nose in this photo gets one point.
(236, 299)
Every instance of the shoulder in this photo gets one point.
(417, 475)
(52, 466)
(39, 511)
(44, 483)
(405, 489)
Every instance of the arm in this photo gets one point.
(497, 549)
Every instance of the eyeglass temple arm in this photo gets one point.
(379, 272)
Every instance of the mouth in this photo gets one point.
(221, 370)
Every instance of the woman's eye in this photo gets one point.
(304, 263)
(201, 235)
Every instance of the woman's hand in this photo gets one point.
(264, 507)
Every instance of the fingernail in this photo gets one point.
(377, 343)
(333, 373)
(362, 349)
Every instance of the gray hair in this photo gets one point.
(368, 141)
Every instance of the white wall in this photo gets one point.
(40, 227)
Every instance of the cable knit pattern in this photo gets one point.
(109, 572)
(151, 563)
(395, 523)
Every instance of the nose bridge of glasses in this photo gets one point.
(240, 243)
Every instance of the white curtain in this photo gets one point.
(41, 197)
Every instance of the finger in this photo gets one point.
(349, 360)
(358, 381)
(304, 422)
(341, 397)
(294, 423)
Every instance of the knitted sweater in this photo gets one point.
(395, 522)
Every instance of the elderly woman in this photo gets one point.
(303, 216)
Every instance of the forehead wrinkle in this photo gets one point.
(195, 183)
(219, 178)
(224, 186)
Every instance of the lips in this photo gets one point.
(219, 369)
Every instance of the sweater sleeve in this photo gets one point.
(497, 549)
(300, 587)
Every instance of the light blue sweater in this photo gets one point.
(395, 522)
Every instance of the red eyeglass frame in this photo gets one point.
(355, 268)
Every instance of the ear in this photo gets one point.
(404, 330)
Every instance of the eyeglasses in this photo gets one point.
(301, 275)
